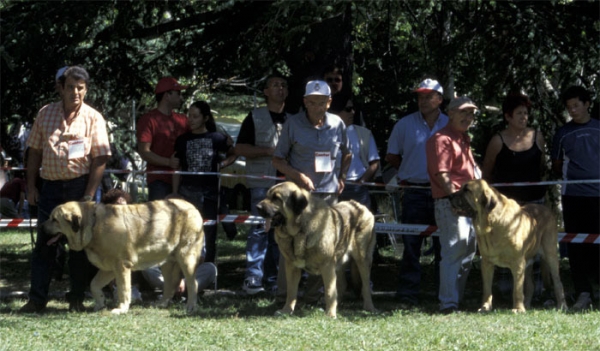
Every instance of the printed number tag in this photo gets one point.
(76, 149)
(323, 161)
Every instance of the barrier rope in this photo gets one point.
(380, 228)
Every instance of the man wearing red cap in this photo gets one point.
(156, 134)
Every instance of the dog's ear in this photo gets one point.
(299, 201)
(75, 223)
(489, 201)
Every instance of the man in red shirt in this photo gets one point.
(450, 164)
(157, 131)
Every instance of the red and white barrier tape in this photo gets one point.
(381, 228)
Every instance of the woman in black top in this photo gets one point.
(516, 154)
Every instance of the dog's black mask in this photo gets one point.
(460, 205)
(277, 220)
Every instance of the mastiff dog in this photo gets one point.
(119, 239)
(320, 239)
(510, 235)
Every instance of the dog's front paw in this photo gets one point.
(191, 308)
(518, 310)
(300, 263)
(121, 309)
(284, 312)
(485, 308)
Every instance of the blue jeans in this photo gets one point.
(205, 201)
(158, 190)
(262, 253)
(417, 208)
(457, 238)
(52, 194)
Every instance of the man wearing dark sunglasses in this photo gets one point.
(406, 152)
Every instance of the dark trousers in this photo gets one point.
(43, 258)
(417, 208)
(581, 215)
(206, 201)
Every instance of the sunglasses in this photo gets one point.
(349, 108)
(336, 79)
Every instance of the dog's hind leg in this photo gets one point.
(101, 279)
(328, 272)
(171, 278)
(550, 262)
(529, 287)
(123, 279)
(364, 271)
(188, 267)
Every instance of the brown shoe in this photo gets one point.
(32, 307)
(76, 306)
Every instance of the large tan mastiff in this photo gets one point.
(120, 238)
(510, 235)
(320, 238)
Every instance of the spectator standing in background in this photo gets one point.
(256, 142)
(450, 164)
(406, 153)
(156, 134)
(576, 156)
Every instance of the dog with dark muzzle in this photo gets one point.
(320, 238)
(510, 235)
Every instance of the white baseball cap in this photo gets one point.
(317, 87)
(429, 85)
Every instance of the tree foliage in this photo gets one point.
(483, 49)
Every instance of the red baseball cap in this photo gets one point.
(167, 84)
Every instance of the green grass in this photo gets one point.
(227, 320)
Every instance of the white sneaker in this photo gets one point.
(584, 302)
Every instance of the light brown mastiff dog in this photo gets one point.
(510, 235)
(320, 238)
(120, 238)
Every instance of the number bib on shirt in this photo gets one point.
(76, 149)
(323, 162)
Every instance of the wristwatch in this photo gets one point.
(87, 198)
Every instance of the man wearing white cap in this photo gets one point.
(450, 164)
(313, 152)
(157, 131)
(406, 152)
(313, 149)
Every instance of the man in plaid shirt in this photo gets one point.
(70, 144)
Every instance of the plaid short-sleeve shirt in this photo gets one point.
(51, 134)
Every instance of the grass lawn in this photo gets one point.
(229, 320)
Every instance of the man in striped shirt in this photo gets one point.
(70, 143)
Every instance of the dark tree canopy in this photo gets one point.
(484, 49)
